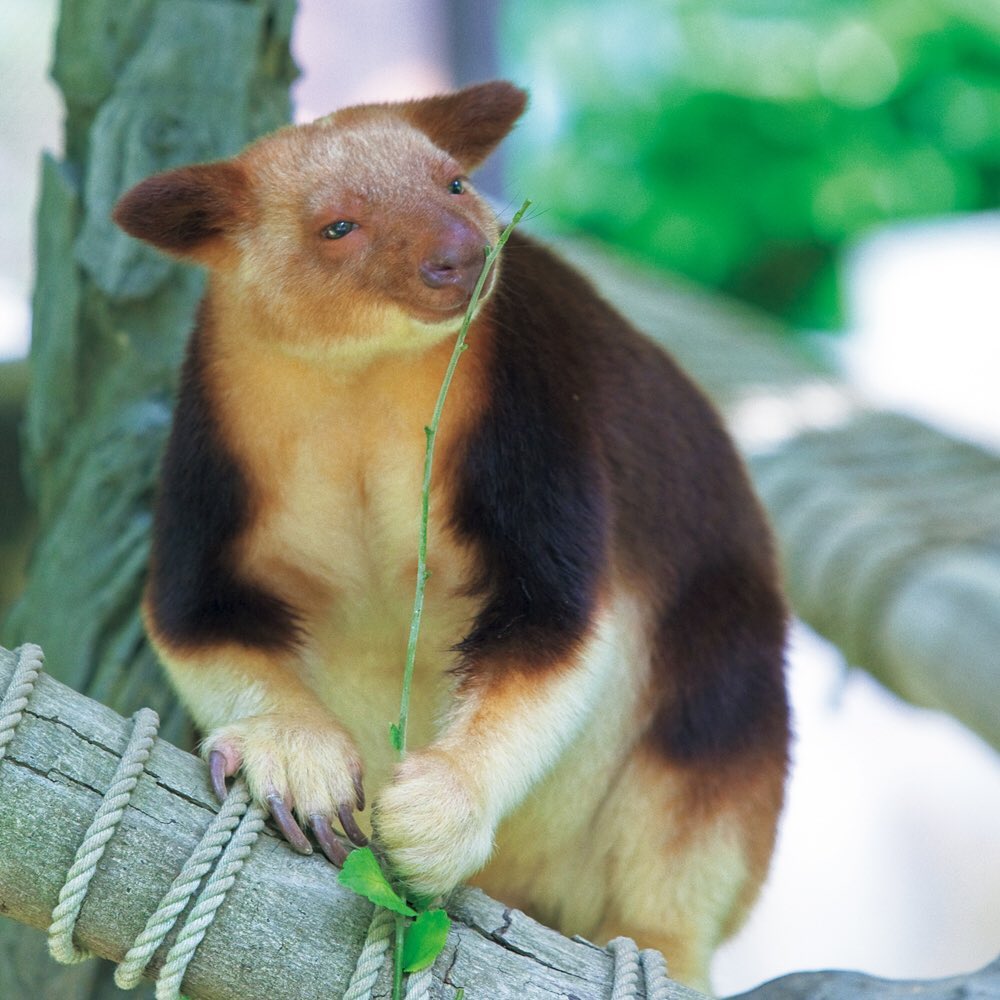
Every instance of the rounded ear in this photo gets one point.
(185, 211)
(469, 123)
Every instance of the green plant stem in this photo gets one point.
(431, 432)
(399, 731)
(397, 958)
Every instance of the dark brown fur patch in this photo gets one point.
(195, 596)
(527, 498)
(180, 210)
(597, 455)
(721, 643)
(469, 123)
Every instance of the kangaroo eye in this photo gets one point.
(339, 229)
(457, 186)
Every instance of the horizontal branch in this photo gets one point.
(837, 985)
(287, 929)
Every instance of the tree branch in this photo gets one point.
(287, 929)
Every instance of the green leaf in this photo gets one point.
(425, 939)
(395, 737)
(362, 874)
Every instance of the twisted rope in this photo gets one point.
(372, 956)
(100, 831)
(184, 886)
(231, 834)
(15, 699)
(418, 984)
(654, 968)
(636, 975)
(203, 913)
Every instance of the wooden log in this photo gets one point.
(287, 930)
(839, 985)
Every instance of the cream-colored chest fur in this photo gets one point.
(334, 464)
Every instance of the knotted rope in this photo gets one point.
(226, 844)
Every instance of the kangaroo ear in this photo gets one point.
(468, 123)
(186, 212)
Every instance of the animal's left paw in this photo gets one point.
(432, 824)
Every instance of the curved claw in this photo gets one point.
(350, 826)
(218, 770)
(329, 844)
(359, 791)
(285, 821)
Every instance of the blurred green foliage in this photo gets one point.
(743, 142)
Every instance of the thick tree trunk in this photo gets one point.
(16, 519)
(149, 84)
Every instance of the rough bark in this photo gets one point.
(287, 930)
(834, 985)
(148, 85)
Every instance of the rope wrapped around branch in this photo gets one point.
(211, 871)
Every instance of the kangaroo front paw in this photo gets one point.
(291, 768)
(432, 825)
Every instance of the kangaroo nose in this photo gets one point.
(445, 270)
(455, 262)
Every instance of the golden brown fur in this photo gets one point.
(599, 685)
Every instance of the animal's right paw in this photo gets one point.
(293, 767)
